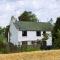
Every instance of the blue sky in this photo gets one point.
(44, 9)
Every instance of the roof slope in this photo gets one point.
(43, 26)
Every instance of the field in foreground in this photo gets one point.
(36, 55)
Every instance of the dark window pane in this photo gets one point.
(24, 33)
(38, 33)
(24, 42)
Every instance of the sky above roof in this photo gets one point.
(44, 9)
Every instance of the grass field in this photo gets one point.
(36, 55)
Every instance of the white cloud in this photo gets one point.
(44, 9)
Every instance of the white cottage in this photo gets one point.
(22, 31)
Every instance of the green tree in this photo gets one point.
(45, 36)
(3, 40)
(43, 42)
(1, 30)
(57, 40)
(2, 36)
(28, 16)
(6, 31)
(56, 34)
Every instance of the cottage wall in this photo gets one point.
(31, 36)
(13, 34)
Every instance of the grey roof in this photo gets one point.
(43, 26)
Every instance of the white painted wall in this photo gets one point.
(31, 36)
(14, 34)
(49, 41)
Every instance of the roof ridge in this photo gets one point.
(33, 22)
(22, 25)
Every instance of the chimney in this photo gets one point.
(13, 19)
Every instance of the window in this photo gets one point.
(33, 42)
(38, 33)
(24, 33)
(24, 42)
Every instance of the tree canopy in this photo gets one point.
(27, 16)
(56, 34)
